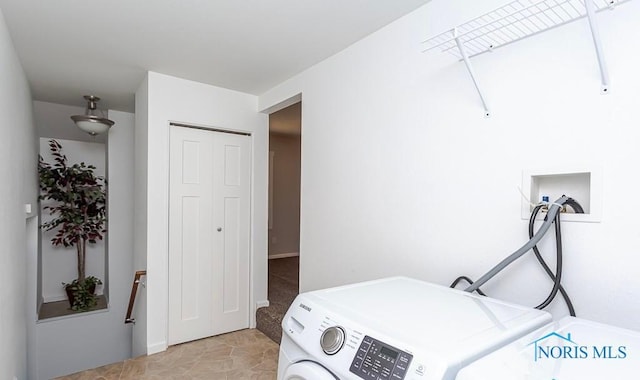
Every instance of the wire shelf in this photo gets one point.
(513, 22)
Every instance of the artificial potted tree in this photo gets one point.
(79, 214)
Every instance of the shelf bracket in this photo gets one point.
(467, 62)
(595, 33)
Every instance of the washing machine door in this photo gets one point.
(308, 370)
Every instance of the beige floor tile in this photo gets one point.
(245, 354)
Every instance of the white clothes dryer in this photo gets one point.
(395, 328)
(569, 349)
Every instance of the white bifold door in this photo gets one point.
(209, 234)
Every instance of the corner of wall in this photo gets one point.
(141, 133)
(18, 169)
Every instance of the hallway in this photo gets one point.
(245, 354)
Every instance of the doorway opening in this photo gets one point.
(284, 218)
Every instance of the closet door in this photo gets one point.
(209, 234)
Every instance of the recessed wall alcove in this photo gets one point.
(58, 263)
(50, 319)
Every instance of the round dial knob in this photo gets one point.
(332, 340)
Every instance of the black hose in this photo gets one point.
(557, 277)
(557, 286)
(574, 205)
(467, 279)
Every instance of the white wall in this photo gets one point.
(120, 260)
(18, 168)
(173, 99)
(402, 174)
(139, 341)
(74, 343)
(59, 263)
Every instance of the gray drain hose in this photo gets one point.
(551, 215)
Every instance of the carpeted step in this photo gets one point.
(269, 322)
(283, 289)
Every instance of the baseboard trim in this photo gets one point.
(260, 304)
(283, 255)
(156, 348)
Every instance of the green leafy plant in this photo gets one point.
(79, 211)
(83, 293)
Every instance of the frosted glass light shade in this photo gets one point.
(93, 125)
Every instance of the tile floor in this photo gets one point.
(245, 354)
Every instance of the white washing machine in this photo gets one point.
(569, 349)
(395, 328)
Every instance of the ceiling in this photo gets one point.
(70, 48)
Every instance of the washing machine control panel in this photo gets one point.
(376, 360)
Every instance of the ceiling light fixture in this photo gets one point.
(91, 122)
